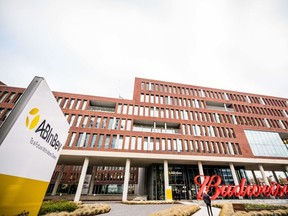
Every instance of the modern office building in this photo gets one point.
(165, 136)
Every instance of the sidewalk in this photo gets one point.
(203, 210)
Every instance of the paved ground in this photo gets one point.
(203, 210)
(119, 209)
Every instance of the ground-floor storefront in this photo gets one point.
(157, 174)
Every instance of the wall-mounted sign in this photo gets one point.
(31, 139)
(175, 173)
(240, 190)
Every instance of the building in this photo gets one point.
(164, 137)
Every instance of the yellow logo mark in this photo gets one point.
(33, 118)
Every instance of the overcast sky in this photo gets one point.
(98, 47)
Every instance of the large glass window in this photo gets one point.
(266, 144)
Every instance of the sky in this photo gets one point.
(97, 47)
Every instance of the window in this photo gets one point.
(85, 121)
(123, 123)
(110, 123)
(119, 108)
(71, 103)
(136, 110)
(97, 125)
(65, 103)
(94, 137)
(107, 141)
(3, 97)
(114, 139)
(119, 145)
(87, 137)
(91, 121)
(72, 139)
(126, 144)
(59, 100)
(100, 141)
(117, 122)
(133, 143)
(84, 105)
(78, 104)
(145, 144)
(130, 110)
(9, 100)
(78, 120)
(104, 123)
(78, 144)
(139, 143)
(266, 143)
(72, 120)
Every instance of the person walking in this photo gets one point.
(207, 201)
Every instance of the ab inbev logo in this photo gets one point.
(33, 118)
(44, 129)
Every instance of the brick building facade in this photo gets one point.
(165, 136)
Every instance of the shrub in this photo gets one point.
(84, 210)
(217, 205)
(251, 206)
(92, 209)
(227, 210)
(241, 213)
(182, 210)
(148, 202)
(57, 206)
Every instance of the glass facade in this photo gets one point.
(181, 179)
(266, 144)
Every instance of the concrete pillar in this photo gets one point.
(263, 174)
(126, 180)
(141, 182)
(166, 177)
(59, 177)
(236, 182)
(81, 180)
(234, 175)
(91, 186)
(201, 172)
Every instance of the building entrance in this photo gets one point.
(181, 179)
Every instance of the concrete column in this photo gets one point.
(81, 180)
(263, 174)
(126, 180)
(166, 177)
(59, 177)
(234, 175)
(141, 181)
(236, 182)
(91, 187)
(201, 172)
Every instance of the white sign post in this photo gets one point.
(31, 140)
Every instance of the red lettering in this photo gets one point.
(214, 182)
